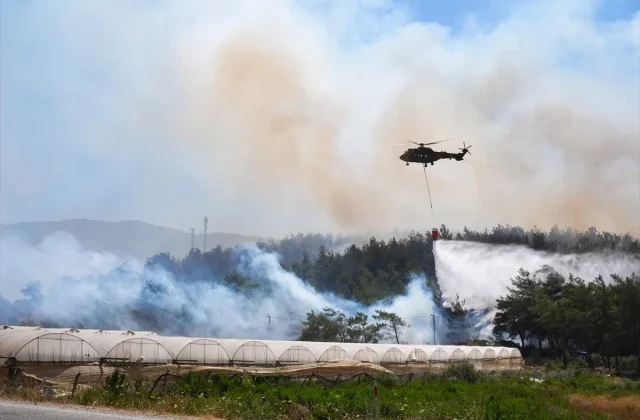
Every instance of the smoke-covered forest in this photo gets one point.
(564, 313)
(543, 309)
(373, 269)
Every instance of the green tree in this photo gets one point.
(458, 323)
(239, 282)
(626, 301)
(328, 326)
(392, 324)
(514, 316)
(360, 331)
(445, 233)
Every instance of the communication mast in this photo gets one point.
(204, 248)
(193, 238)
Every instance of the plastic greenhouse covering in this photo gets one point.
(76, 346)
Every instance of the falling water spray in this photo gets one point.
(480, 273)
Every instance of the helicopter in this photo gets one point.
(427, 155)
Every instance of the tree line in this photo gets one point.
(559, 314)
(331, 325)
(548, 311)
(367, 270)
(566, 240)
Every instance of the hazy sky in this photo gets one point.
(277, 116)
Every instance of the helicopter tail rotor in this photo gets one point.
(465, 149)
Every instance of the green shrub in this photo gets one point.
(460, 392)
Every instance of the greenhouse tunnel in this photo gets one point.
(32, 346)
(38, 345)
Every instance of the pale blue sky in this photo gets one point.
(73, 145)
(491, 11)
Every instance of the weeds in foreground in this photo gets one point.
(461, 392)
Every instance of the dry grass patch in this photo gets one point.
(624, 408)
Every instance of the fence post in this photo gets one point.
(376, 401)
(166, 375)
(17, 373)
(75, 384)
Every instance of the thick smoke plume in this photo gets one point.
(291, 108)
(65, 285)
(61, 283)
(305, 118)
(480, 273)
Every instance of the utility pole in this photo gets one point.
(204, 247)
(193, 238)
(433, 317)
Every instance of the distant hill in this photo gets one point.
(129, 238)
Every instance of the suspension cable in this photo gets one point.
(429, 190)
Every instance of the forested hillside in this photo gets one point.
(378, 269)
(541, 308)
(564, 314)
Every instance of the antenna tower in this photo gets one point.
(193, 238)
(204, 248)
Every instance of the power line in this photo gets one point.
(298, 318)
(253, 319)
(274, 317)
(302, 320)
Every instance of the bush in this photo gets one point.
(465, 372)
(459, 392)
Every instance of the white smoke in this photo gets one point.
(97, 290)
(84, 288)
(227, 104)
(480, 273)
(56, 256)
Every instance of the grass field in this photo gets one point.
(460, 393)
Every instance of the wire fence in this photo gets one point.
(398, 380)
(162, 380)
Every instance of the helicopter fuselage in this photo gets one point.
(426, 155)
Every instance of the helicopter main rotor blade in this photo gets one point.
(426, 144)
